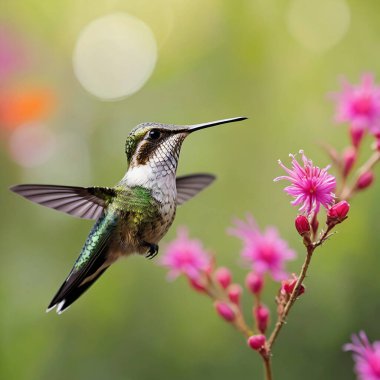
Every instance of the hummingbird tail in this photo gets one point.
(94, 259)
(64, 299)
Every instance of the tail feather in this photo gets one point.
(90, 265)
(63, 300)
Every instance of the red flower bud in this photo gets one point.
(356, 134)
(261, 314)
(365, 180)
(254, 282)
(349, 159)
(338, 212)
(223, 277)
(302, 225)
(234, 293)
(287, 286)
(225, 311)
(197, 285)
(256, 341)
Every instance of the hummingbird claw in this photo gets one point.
(152, 251)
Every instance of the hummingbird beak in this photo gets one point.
(197, 127)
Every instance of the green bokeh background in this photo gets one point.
(216, 59)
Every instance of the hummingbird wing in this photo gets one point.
(82, 202)
(190, 185)
(92, 262)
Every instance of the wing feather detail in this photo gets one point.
(190, 185)
(82, 202)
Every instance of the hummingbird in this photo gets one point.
(131, 217)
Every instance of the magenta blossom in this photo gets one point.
(359, 105)
(366, 356)
(310, 186)
(185, 256)
(264, 251)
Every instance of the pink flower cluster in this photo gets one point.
(265, 252)
(366, 356)
(313, 189)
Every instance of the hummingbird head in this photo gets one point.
(160, 144)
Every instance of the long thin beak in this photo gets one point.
(197, 127)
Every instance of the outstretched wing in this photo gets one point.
(82, 202)
(190, 185)
(92, 262)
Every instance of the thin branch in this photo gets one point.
(282, 318)
(347, 192)
(267, 367)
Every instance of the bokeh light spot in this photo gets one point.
(318, 25)
(13, 56)
(31, 145)
(114, 56)
(19, 106)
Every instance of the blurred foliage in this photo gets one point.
(216, 59)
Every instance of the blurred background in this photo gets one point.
(76, 76)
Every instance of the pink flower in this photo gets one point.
(366, 356)
(185, 256)
(310, 186)
(359, 105)
(266, 252)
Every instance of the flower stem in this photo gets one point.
(293, 297)
(267, 367)
(310, 248)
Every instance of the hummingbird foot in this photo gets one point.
(152, 251)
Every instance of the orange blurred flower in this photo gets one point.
(24, 105)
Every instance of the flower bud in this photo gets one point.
(225, 311)
(254, 282)
(287, 286)
(365, 180)
(234, 293)
(349, 159)
(256, 341)
(261, 314)
(302, 225)
(197, 285)
(223, 277)
(356, 133)
(377, 144)
(338, 212)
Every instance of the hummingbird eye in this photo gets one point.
(154, 134)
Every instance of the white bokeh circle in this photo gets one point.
(114, 56)
(318, 24)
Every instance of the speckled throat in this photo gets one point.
(156, 168)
